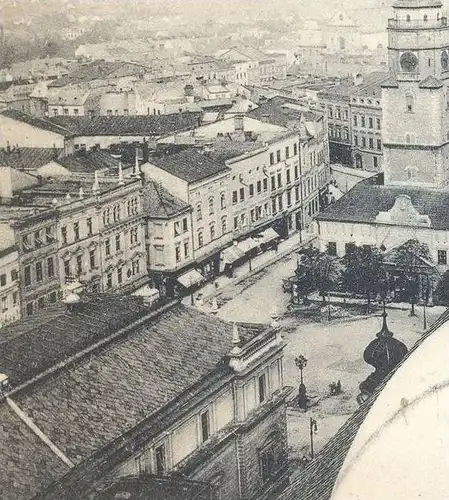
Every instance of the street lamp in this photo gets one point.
(301, 363)
(313, 430)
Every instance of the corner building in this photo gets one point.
(415, 97)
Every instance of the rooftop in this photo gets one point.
(42, 123)
(189, 165)
(28, 158)
(143, 125)
(348, 88)
(160, 203)
(364, 202)
(89, 161)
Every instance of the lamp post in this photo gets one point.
(313, 430)
(301, 363)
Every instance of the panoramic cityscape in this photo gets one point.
(224, 237)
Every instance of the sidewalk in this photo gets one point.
(212, 289)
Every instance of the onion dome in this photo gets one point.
(384, 352)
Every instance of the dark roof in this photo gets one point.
(34, 344)
(348, 88)
(28, 158)
(189, 165)
(431, 83)
(98, 70)
(276, 112)
(141, 125)
(89, 161)
(160, 203)
(109, 391)
(27, 464)
(42, 123)
(317, 481)
(364, 201)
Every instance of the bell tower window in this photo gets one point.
(409, 103)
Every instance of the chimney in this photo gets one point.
(121, 181)
(81, 193)
(358, 79)
(136, 165)
(96, 185)
(238, 123)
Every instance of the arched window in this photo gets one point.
(211, 205)
(224, 224)
(223, 201)
(199, 212)
(212, 231)
(200, 238)
(409, 103)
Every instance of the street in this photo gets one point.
(334, 350)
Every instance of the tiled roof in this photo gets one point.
(46, 340)
(348, 88)
(99, 70)
(431, 83)
(364, 201)
(96, 400)
(89, 161)
(275, 112)
(189, 165)
(160, 203)
(26, 464)
(144, 125)
(34, 121)
(28, 158)
(316, 482)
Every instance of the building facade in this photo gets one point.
(9, 286)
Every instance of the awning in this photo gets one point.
(248, 245)
(231, 255)
(190, 278)
(268, 235)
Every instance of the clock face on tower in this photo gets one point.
(408, 62)
(444, 60)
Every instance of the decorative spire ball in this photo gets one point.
(235, 339)
(81, 193)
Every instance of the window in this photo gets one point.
(379, 144)
(184, 225)
(120, 275)
(211, 206)
(199, 212)
(67, 272)
(273, 183)
(259, 187)
(178, 253)
(212, 231)
(363, 121)
(442, 257)
(265, 185)
(52, 298)
(4, 304)
(234, 197)
(236, 222)
(279, 180)
(3, 280)
(242, 194)
(271, 158)
(287, 152)
(295, 149)
(222, 203)
(356, 140)
(289, 198)
(280, 203)
(409, 103)
(177, 228)
(29, 308)
(160, 459)
(355, 120)
(186, 249)
(79, 264)
(370, 122)
(205, 426)
(136, 267)
(251, 189)
(371, 143)
(50, 267)
(288, 176)
(37, 239)
(49, 235)
(14, 275)
(26, 244)
(107, 246)
(76, 231)
(39, 273)
(200, 239)
(262, 382)
(378, 123)
(92, 259)
(134, 235)
(64, 235)
(297, 193)
(109, 280)
(363, 142)
(375, 162)
(278, 155)
(117, 242)
(332, 248)
(15, 298)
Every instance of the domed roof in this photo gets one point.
(384, 352)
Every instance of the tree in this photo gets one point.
(364, 271)
(412, 260)
(316, 271)
(442, 290)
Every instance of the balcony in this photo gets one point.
(403, 24)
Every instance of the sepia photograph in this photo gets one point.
(224, 237)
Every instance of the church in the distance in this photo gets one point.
(411, 200)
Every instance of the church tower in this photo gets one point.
(415, 103)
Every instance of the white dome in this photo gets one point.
(72, 298)
(401, 450)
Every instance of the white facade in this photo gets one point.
(9, 286)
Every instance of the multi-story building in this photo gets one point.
(213, 415)
(202, 182)
(100, 230)
(169, 239)
(9, 284)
